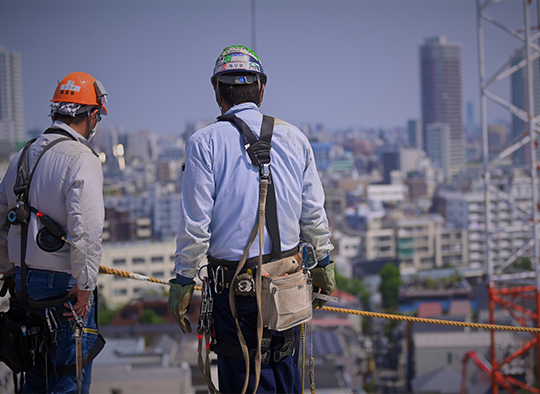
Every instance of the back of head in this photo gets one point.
(238, 76)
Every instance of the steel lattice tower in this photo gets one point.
(513, 293)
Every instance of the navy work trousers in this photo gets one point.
(276, 377)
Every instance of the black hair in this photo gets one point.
(237, 94)
(67, 119)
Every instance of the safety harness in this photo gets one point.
(46, 316)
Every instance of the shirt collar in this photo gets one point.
(242, 107)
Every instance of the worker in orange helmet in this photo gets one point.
(53, 193)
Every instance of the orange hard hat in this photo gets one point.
(81, 88)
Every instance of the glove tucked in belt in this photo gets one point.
(179, 301)
(324, 281)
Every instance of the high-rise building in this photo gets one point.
(414, 130)
(11, 101)
(440, 74)
(438, 145)
(520, 92)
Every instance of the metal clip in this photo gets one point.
(206, 318)
(204, 306)
(51, 322)
(309, 252)
(79, 323)
(219, 283)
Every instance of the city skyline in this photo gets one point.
(342, 64)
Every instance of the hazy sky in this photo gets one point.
(338, 62)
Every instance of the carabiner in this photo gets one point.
(309, 253)
(217, 283)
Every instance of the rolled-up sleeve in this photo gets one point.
(198, 194)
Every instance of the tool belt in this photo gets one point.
(28, 334)
(285, 293)
(221, 271)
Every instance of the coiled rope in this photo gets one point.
(130, 275)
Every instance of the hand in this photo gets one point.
(81, 306)
(324, 281)
(179, 301)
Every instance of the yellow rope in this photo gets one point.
(431, 321)
(129, 275)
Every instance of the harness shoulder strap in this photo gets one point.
(21, 188)
(258, 150)
(24, 173)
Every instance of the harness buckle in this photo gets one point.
(286, 350)
(264, 170)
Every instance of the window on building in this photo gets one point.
(117, 262)
(138, 260)
(120, 292)
(157, 259)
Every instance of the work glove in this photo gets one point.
(179, 300)
(324, 281)
(7, 284)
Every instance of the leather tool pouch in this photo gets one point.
(286, 294)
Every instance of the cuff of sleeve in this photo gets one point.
(184, 280)
(324, 261)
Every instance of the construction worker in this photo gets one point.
(61, 209)
(220, 199)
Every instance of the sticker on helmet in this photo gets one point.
(70, 85)
(239, 48)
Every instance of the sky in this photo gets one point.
(342, 63)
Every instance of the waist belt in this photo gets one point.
(228, 267)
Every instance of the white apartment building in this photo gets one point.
(416, 242)
(150, 259)
(510, 230)
(392, 193)
(423, 242)
(452, 248)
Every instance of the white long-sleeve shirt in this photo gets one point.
(67, 186)
(220, 193)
